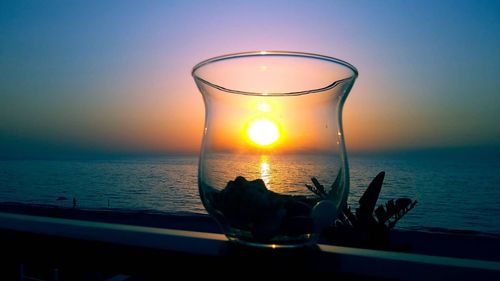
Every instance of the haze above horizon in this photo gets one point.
(85, 78)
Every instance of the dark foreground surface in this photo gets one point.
(73, 244)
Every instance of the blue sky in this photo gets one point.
(114, 76)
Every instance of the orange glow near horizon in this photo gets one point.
(274, 125)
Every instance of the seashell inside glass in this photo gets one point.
(273, 169)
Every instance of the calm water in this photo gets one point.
(452, 193)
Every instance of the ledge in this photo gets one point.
(154, 253)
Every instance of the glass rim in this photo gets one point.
(275, 53)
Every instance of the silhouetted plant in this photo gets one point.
(368, 226)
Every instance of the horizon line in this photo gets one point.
(476, 150)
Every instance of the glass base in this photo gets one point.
(246, 239)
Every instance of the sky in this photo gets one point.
(90, 77)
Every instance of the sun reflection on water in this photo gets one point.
(265, 170)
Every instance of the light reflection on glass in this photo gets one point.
(263, 107)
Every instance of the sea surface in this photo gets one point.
(453, 193)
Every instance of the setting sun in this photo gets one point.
(263, 132)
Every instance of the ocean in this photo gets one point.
(453, 193)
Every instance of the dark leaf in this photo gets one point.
(381, 214)
(335, 185)
(319, 187)
(368, 201)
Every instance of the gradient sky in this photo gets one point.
(114, 76)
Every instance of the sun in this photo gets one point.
(263, 132)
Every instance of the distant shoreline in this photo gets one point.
(183, 221)
(162, 219)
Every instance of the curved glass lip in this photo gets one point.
(275, 53)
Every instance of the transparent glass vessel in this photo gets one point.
(273, 168)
